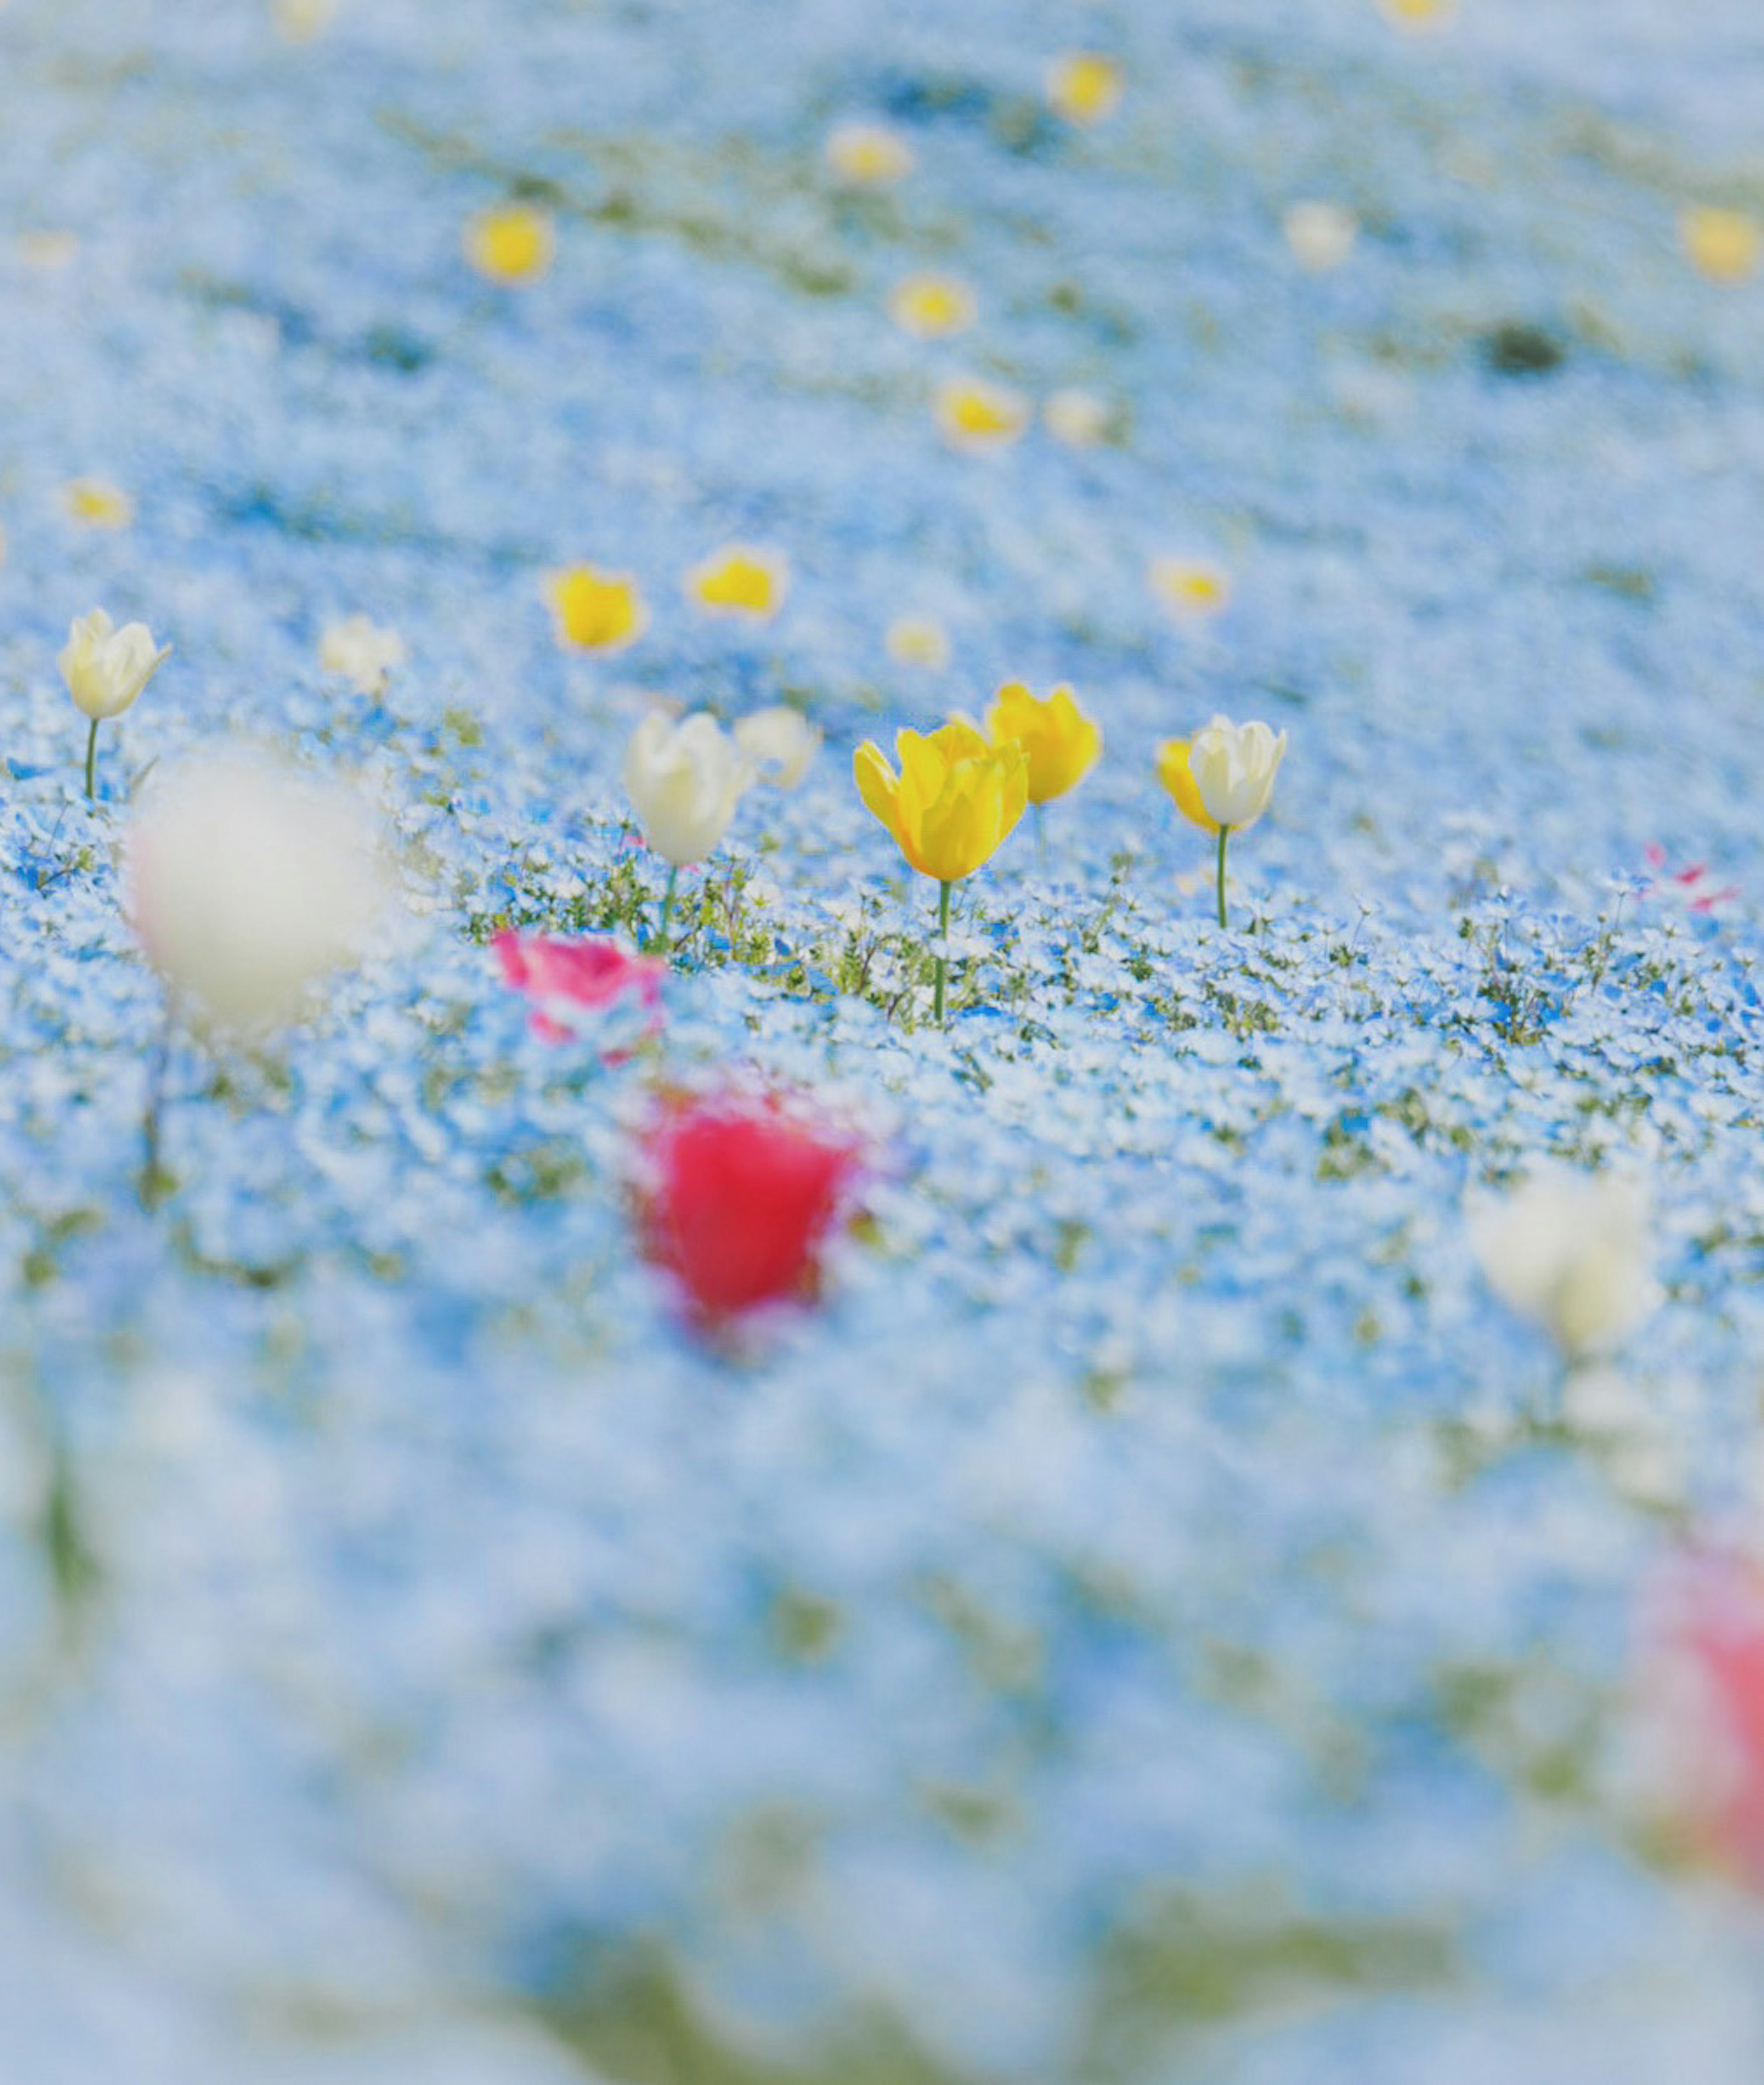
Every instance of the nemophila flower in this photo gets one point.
(973, 414)
(511, 244)
(1569, 1251)
(931, 306)
(1694, 886)
(684, 781)
(595, 610)
(953, 804)
(918, 640)
(1319, 236)
(561, 979)
(1079, 418)
(1084, 86)
(94, 503)
(1190, 587)
(1223, 778)
(780, 743)
(249, 882)
(868, 155)
(1724, 244)
(741, 579)
(738, 1202)
(361, 651)
(1062, 745)
(106, 669)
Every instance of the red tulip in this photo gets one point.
(742, 1201)
(1714, 1618)
(560, 974)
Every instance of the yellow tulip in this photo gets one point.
(974, 414)
(1724, 244)
(512, 244)
(1178, 778)
(868, 155)
(930, 306)
(741, 579)
(955, 801)
(94, 503)
(1084, 86)
(596, 611)
(1061, 743)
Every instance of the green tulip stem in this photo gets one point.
(1041, 836)
(155, 1180)
(667, 906)
(943, 929)
(1225, 833)
(91, 757)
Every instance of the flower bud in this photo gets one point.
(684, 781)
(106, 668)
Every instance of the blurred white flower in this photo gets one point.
(684, 781)
(105, 667)
(1320, 235)
(1570, 1251)
(248, 881)
(363, 653)
(780, 743)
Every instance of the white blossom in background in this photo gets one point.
(1320, 235)
(362, 651)
(249, 881)
(1569, 1251)
(780, 743)
(105, 667)
(684, 781)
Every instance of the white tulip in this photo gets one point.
(363, 653)
(105, 667)
(1234, 766)
(780, 743)
(1569, 1251)
(684, 781)
(249, 881)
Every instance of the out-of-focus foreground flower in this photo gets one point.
(596, 610)
(1569, 1251)
(362, 651)
(780, 743)
(738, 1202)
(512, 244)
(741, 579)
(1223, 778)
(249, 881)
(106, 669)
(560, 978)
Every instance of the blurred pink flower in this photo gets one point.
(559, 975)
(1693, 887)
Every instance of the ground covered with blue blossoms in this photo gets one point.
(1159, 1619)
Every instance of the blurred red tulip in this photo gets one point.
(556, 976)
(742, 1199)
(1713, 1634)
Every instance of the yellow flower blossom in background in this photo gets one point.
(930, 307)
(596, 611)
(303, 21)
(973, 414)
(513, 243)
(741, 579)
(1190, 588)
(1079, 418)
(94, 503)
(1319, 236)
(918, 640)
(1084, 86)
(1724, 244)
(1418, 13)
(955, 801)
(868, 155)
(1062, 745)
(48, 251)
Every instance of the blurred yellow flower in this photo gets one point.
(1079, 418)
(918, 640)
(741, 579)
(595, 610)
(1418, 13)
(303, 21)
(94, 503)
(1062, 745)
(1320, 235)
(47, 250)
(513, 243)
(869, 156)
(973, 414)
(955, 801)
(1724, 244)
(1084, 86)
(930, 306)
(1190, 588)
